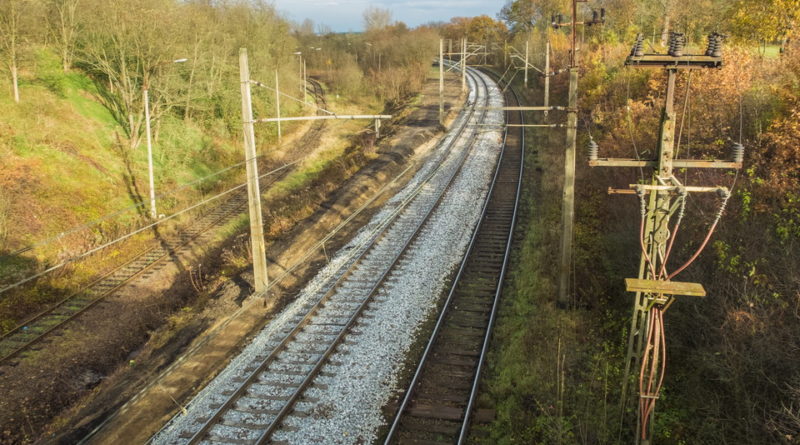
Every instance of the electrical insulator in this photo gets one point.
(738, 152)
(714, 45)
(638, 47)
(676, 43)
(593, 150)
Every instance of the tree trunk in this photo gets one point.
(665, 30)
(15, 81)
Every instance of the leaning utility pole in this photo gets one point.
(258, 249)
(441, 82)
(654, 288)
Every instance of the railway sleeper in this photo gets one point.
(425, 425)
(436, 411)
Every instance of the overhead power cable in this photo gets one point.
(137, 231)
(107, 216)
(257, 83)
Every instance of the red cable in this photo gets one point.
(656, 342)
(696, 254)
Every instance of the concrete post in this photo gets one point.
(153, 212)
(568, 204)
(278, 103)
(258, 249)
(441, 81)
(546, 78)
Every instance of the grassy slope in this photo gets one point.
(62, 164)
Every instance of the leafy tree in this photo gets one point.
(476, 29)
(522, 15)
(763, 20)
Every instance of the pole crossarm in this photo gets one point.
(532, 108)
(667, 61)
(677, 163)
(673, 188)
(334, 116)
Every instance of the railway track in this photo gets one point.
(437, 405)
(255, 407)
(24, 338)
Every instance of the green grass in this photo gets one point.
(307, 173)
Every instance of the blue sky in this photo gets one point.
(345, 15)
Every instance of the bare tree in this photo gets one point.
(376, 18)
(11, 38)
(125, 58)
(64, 28)
(667, 5)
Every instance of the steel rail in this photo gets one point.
(288, 407)
(331, 349)
(310, 251)
(498, 293)
(447, 304)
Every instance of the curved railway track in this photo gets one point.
(267, 392)
(42, 326)
(438, 403)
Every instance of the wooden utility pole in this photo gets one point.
(441, 81)
(278, 103)
(257, 248)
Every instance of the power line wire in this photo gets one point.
(98, 220)
(124, 237)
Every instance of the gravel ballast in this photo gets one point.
(344, 403)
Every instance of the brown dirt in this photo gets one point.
(127, 365)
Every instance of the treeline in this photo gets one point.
(745, 21)
(388, 60)
(125, 46)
